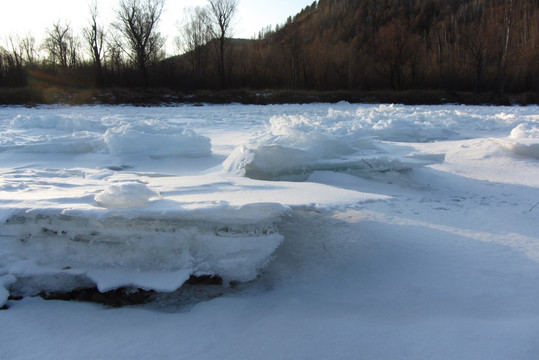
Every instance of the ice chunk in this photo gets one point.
(5, 281)
(293, 147)
(125, 196)
(75, 134)
(269, 162)
(304, 133)
(4, 294)
(156, 141)
(161, 281)
(55, 122)
(525, 131)
(58, 238)
(275, 162)
(523, 141)
(522, 148)
(150, 251)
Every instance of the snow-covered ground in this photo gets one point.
(346, 231)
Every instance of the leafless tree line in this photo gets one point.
(132, 43)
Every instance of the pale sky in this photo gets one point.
(21, 17)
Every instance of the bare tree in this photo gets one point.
(56, 46)
(221, 13)
(95, 39)
(23, 50)
(114, 60)
(28, 44)
(293, 47)
(395, 45)
(138, 20)
(14, 62)
(194, 35)
(17, 58)
(508, 27)
(17, 52)
(476, 45)
(3, 53)
(62, 46)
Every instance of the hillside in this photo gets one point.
(451, 47)
(466, 45)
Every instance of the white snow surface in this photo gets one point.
(352, 231)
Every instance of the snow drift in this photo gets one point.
(125, 195)
(523, 141)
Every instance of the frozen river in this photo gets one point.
(347, 231)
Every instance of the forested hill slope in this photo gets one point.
(470, 45)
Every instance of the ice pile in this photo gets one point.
(293, 147)
(73, 134)
(156, 139)
(396, 123)
(523, 140)
(53, 250)
(99, 196)
(70, 229)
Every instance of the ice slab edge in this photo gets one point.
(47, 250)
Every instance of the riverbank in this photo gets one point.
(31, 96)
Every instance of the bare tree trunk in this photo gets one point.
(503, 60)
(95, 38)
(195, 36)
(221, 13)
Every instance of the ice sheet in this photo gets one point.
(145, 230)
(446, 266)
(181, 191)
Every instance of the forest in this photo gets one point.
(477, 46)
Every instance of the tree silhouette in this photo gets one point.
(221, 13)
(61, 46)
(138, 20)
(395, 45)
(95, 38)
(195, 35)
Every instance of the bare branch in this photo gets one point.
(221, 13)
(138, 20)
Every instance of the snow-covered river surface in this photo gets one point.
(340, 231)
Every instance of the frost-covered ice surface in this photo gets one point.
(355, 231)
(104, 198)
